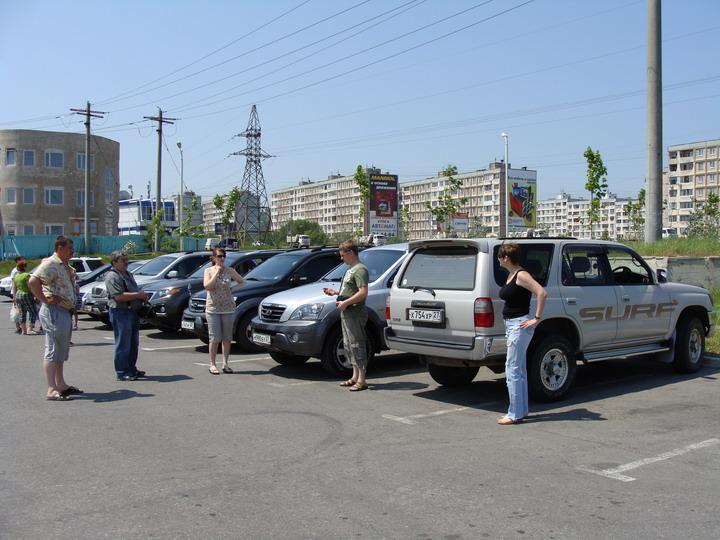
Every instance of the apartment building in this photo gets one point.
(334, 203)
(212, 217)
(42, 183)
(565, 215)
(693, 174)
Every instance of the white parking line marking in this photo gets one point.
(169, 348)
(410, 420)
(615, 473)
(285, 385)
(254, 359)
(109, 338)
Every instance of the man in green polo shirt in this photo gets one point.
(353, 317)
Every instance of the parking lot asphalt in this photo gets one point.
(283, 452)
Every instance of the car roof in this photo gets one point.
(402, 246)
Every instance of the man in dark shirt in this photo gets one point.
(125, 300)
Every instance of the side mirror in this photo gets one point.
(661, 275)
(293, 280)
(172, 274)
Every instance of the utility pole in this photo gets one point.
(160, 120)
(182, 198)
(504, 194)
(653, 208)
(86, 197)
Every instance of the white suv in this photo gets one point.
(603, 302)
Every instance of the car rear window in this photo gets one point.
(449, 268)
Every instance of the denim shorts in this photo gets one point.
(57, 323)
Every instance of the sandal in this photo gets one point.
(358, 387)
(57, 396)
(227, 369)
(349, 382)
(507, 421)
(71, 391)
(214, 370)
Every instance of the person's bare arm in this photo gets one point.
(36, 287)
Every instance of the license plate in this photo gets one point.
(263, 339)
(94, 309)
(425, 315)
(188, 325)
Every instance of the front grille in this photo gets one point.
(271, 312)
(98, 291)
(197, 304)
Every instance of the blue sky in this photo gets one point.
(556, 75)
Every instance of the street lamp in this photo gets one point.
(503, 192)
(182, 197)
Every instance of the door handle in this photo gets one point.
(626, 298)
(571, 301)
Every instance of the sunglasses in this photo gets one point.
(219, 256)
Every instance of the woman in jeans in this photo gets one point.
(519, 328)
(220, 307)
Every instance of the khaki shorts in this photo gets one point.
(220, 326)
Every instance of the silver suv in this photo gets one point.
(604, 301)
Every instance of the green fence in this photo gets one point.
(36, 246)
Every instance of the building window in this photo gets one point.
(701, 166)
(10, 229)
(54, 229)
(80, 198)
(712, 178)
(80, 161)
(28, 158)
(79, 227)
(686, 192)
(54, 159)
(28, 230)
(686, 204)
(699, 152)
(10, 157)
(711, 164)
(11, 195)
(712, 151)
(28, 195)
(673, 155)
(54, 196)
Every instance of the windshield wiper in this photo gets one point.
(331, 279)
(251, 279)
(416, 289)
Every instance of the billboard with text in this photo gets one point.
(383, 207)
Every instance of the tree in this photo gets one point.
(363, 184)
(448, 204)
(405, 222)
(155, 224)
(477, 229)
(228, 205)
(186, 228)
(596, 184)
(300, 226)
(704, 221)
(636, 215)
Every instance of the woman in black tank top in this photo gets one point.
(519, 328)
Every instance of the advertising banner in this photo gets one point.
(461, 222)
(521, 203)
(383, 207)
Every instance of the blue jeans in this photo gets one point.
(518, 340)
(126, 328)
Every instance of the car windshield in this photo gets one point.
(134, 266)
(94, 264)
(377, 262)
(155, 266)
(276, 267)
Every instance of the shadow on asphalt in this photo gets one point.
(593, 382)
(386, 365)
(95, 344)
(115, 395)
(169, 336)
(165, 378)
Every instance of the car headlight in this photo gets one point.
(307, 312)
(168, 291)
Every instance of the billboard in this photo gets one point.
(383, 207)
(461, 222)
(521, 203)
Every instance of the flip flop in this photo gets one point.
(358, 387)
(349, 382)
(507, 421)
(227, 369)
(216, 372)
(57, 396)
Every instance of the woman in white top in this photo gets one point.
(220, 307)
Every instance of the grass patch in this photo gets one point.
(678, 247)
(712, 344)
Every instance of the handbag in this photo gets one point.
(15, 315)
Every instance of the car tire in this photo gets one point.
(551, 367)
(333, 358)
(242, 334)
(452, 375)
(689, 345)
(288, 359)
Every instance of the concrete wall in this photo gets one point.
(703, 271)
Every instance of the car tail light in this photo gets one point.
(387, 308)
(484, 314)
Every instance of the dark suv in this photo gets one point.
(283, 271)
(169, 297)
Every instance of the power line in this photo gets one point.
(271, 60)
(251, 32)
(286, 36)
